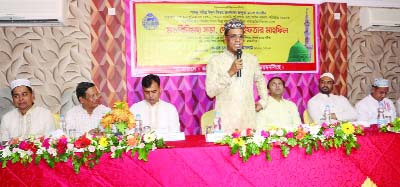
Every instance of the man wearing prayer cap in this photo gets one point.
(230, 78)
(27, 118)
(367, 108)
(339, 106)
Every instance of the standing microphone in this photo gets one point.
(238, 56)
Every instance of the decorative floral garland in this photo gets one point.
(85, 150)
(336, 135)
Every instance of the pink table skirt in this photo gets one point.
(196, 163)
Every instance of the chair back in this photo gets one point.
(306, 117)
(207, 119)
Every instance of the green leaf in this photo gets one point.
(309, 149)
(234, 149)
(37, 159)
(292, 142)
(4, 164)
(268, 156)
(285, 150)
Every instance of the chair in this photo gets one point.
(306, 117)
(206, 120)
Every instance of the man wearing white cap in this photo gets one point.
(26, 119)
(339, 107)
(367, 108)
(230, 78)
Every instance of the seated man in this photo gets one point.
(27, 118)
(86, 116)
(279, 112)
(159, 115)
(340, 107)
(367, 108)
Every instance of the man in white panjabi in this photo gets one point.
(280, 112)
(27, 118)
(367, 108)
(340, 107)
(86, 117)
(154, 112)
(234, 94)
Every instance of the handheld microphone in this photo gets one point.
(238, 56)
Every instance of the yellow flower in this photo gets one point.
(103, 142)
(238, 141)
(121, 105)
(347, 128)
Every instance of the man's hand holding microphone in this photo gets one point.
(237, 65)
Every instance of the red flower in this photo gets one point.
(61, 145)
(249, 132)
(82, 142)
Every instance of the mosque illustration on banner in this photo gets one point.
(300, 52)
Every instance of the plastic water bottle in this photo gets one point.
(217, 122)
(327, 114)
(381, 117)
(139, 124)
(62, 123)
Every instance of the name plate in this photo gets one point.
(214, 137)
(173, 136)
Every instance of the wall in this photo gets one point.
(371, 55)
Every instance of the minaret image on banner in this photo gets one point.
(299, 52)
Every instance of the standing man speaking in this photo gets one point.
(230, 77)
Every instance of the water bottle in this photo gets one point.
(381, 117)
(138, 122)
(217, 122)
(62, 123)
(327, 114)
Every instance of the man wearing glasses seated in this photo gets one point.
(338, 106)
(27, 118)
(86, 116)
(230, 77)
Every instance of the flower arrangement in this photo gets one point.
(119, 117)
(394, 126)
(85, 150)
(310, 137)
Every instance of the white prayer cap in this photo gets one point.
(382, 83)
(328, 75)
(20, 82)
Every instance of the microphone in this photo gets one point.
(238, 56)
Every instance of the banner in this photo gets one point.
(180, 38)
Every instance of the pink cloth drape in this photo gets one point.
(204, 164)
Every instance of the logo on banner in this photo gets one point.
(150, 22)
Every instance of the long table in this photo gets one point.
(196, 163)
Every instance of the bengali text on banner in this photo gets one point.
(179, 38)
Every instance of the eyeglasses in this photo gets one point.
(235, 36)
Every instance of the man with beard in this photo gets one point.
(367, 108)
(230, 78)
(85, 118)
(340, 107)
(279, 112)
(27, 118)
